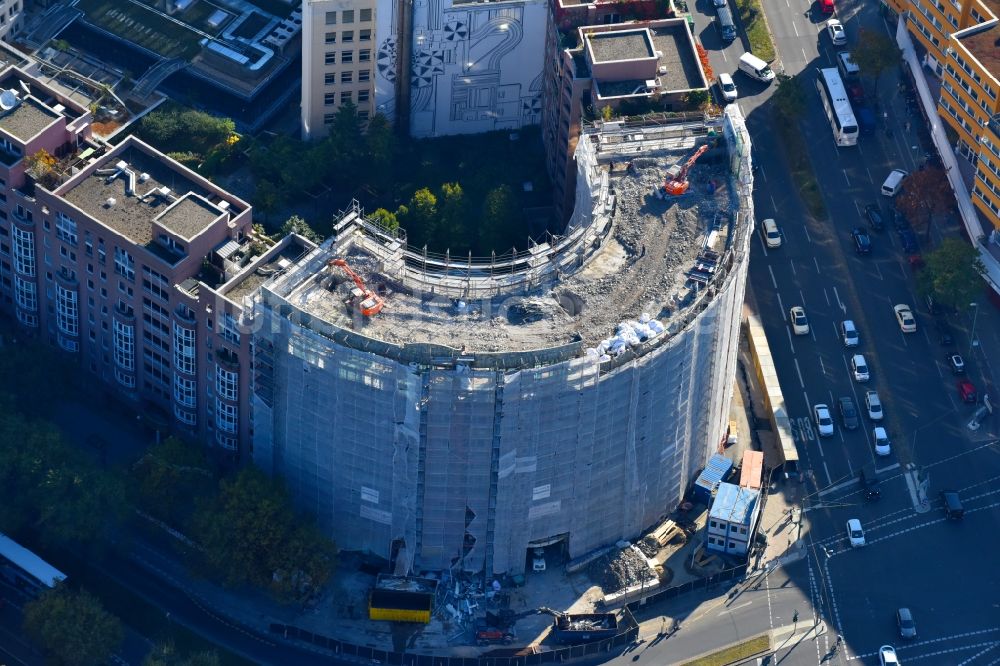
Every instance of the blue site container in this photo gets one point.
(715, 472)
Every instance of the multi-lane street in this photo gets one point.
(944, 571)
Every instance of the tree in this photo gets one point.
(874, 53)
(186, 130)
(170, 478)
(386, 219)
(266, 198)
(697, 99)
(446, 233)
(380, 147)
(41, 166)
(422, 212)
(499, 216)
(296, 225)
(251, 535)
(925, 193)
(72, 627)
(952, 274)
(166, 654)
(789, 98)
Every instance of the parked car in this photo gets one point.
(899, 221)
(824, 422)
(881, 441)
(874, 405)
(862, 241)
(860, 368)
(909, 241)
(945, 336)
(887, 656)
(855, 534)
(956, 363)
(826, 6)
(874, 215)
(849, 333)
(904, 620)
(967, 391)
(797, 318)
(905, 319)
(848, 412)
(838, 36)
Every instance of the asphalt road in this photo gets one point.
(943, 571)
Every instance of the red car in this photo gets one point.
(966, 390)
(826, 6)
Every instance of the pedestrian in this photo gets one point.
(907, 125)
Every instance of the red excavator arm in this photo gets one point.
(371, 304)
(679, 184)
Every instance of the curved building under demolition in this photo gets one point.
(564, 397)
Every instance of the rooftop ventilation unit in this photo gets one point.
(110, 203)
(143, 177)
(121, 165)
(164, 192)
(224, 205)
(9, 100)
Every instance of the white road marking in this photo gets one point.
(879, 271)
(840, 303)
(784, 312)
(763, 245)
(773, 281)
(802, 384)
(870, 178)
(796, 31)
(792, 264)
(736, 607)
(846, 179)
(827, 296)
(790, 343)
(816, 264)
(808, 237)
(829, 479)
(823, 368)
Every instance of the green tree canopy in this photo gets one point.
(170, 478)
(874, 52)
(447, 232)
(185, 130)
(499, 215)
(422, 212)
(167, 654)
(952, 274)
(790, 97)
(72, 627)
(385, 218)
(296, 225)
(925, 193)
(251, 535)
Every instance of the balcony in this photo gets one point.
(185, 315)
(67, 278)
(125, 315)
(228, 359)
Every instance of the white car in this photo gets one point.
(797, 318)
(860, 368)
(838, 36)
(770, 232)
(874, 405)
(728, 87)
(855, 534)
(849, 333)
(887, 656)
(904, 315)
(824, 422)
(881, 441)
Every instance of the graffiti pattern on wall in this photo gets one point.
(475, 67)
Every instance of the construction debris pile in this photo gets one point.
(586, 622)
(649, 546)
(621, 569)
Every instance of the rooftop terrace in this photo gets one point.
(187, 209)
(656, 257)
(620, 45)
(985, 46)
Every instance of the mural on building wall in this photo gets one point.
(476, 67)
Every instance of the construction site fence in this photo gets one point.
(707, 583)
(556, 656)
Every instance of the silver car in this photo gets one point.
(907, 627)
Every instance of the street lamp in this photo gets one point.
(972, 336)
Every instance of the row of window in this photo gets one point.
(347, 37)
(973, 74)
(733, 529)
(330, 99)
(330, 78)
(347, 16)
(985, 199)
(347, 57)
(720, 542)
(954, 114)
(363, 115)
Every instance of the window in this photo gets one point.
(25, 294)
(732, 544)
(156, 284)
(331, 18)
(67, 311)
(187, 418)
(712, 523)
(345, 97)
(331, 38)
(125, 379)
(225, 417)
(184, 349)
(331, 58)
(65, 229)
(329, 99)
(347, 37)
(364, 75)
(364, 95)
(329, 78)
(226, 384)
(363, 114)
(229, 328)
(365, 16)
(365, 55)
(364, 35)
(328, 118)
(347, 16)
(346, 57)
(124, 337)
(347, 77)
(124, 264)
(24, 251)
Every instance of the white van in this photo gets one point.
(755, 68)
(894, 182)
(769, 231)
(848, 68)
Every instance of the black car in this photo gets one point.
(945, 337)
(909, 240)
(956, 363)
(862, 241)
(848, 414)
(899, 221)
(874, 215)
(869, 482)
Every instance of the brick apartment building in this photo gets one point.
(118, 258)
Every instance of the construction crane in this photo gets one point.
(370, 302)
(677, 184)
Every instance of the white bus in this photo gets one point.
(837, 107)
(24, 570)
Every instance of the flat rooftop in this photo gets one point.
(27, 119)
(985, 46)
(644, 265)
(620, 45)
(677, 62)
(247, 283)
(133, 216)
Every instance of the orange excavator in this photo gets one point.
(370, 303)
(677, 184)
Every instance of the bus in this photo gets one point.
(24, 570)
(837, 106)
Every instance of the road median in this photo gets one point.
(734, 654)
